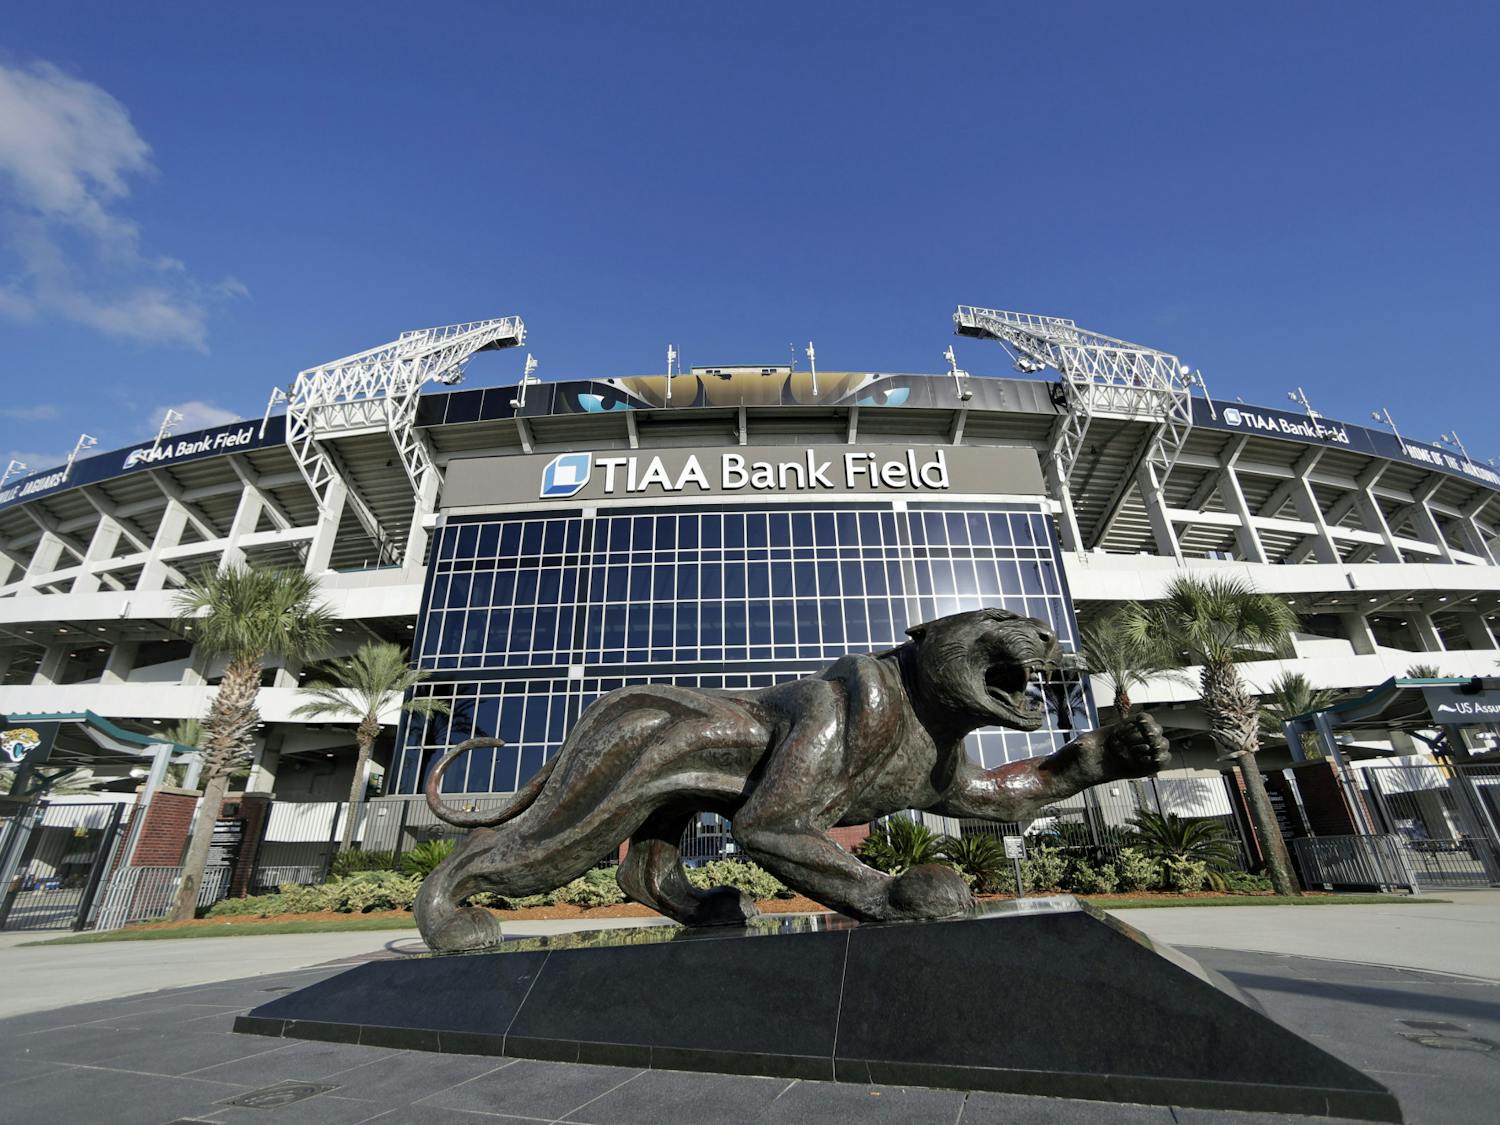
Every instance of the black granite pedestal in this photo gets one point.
(1045, 996)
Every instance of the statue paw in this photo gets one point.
(465, 929)
(929, 891)
(1136, 748)
(723, 906)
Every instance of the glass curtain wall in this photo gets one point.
(529, 617)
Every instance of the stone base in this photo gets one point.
(1046, 996)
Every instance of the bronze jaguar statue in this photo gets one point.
(870, 736)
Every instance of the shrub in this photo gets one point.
(898, 844)
(1185, 876)
(371, 890)
(593, 888)
(1045, 869)
(1136, 870)
(1201, 840)
(348, 862)
(979, 859)
(1089, 880)
(297, 898)
(524, 901)
(251, 906)
(1242, 882)
(754, 880)
(424, 857)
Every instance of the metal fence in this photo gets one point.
(144, 894)
(1351, 862)
(1445, 818)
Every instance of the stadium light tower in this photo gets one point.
(85, 441)
(14, 469)
(960, 376)
(1384, 415)
(812, 364)
(1299, 396)
(168, 420)
(526, 381)
(1452, 440)
(1195, 379)
(673, 360)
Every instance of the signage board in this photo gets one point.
(237, 437)
(26, 742)
(1238, 417)
(927, 472)
(1457, 706)
(1015, 846)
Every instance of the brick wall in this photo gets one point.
(1324, 799)
(164, 833)
(254, 811)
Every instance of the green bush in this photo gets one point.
(297, 898)
(424, 857)
(1089, 880)
(898, 844)
(979, 859)
(1242, 882)
(1136, 870)
(1185, 876)
(371, 890)
(1045, 868)
(754, 880)
(1197, 839)
(346, 863)
(593, 888)
(251, 906)
(524, 902)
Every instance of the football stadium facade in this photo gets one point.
(538, 545)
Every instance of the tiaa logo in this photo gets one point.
(1232, 416)
(17, 742)
(566, 474)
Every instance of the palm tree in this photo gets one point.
(1114, 653)
(185, 732)
(1423, 672)
(249, 615)
(360, 687)
(1216, 622)
(1292, 694)
(1169, 836)
(898, 844)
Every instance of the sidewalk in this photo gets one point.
(1460, 937)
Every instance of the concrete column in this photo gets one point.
(1357, 630)
(1308, 509)
(1421, 623)
(263, 770)
(416, 535)
(246, 516)
(1067, 521)
(119, 663)
(50, 670)
(1474, 540)
(168, 534)
(45, 555)
(1234, 500)
(1428, 528)
(1373, 518)
(101, 547)
(1156, 511)
(320, 548)
(1476, 631)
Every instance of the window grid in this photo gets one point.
(793, 587)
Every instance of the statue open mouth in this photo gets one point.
(1019, 688)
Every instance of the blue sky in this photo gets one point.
(197, 201)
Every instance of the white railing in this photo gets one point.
(143, 894)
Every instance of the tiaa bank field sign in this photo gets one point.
(927, 471)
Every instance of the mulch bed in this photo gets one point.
(797, 905)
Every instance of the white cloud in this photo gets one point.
(68, 154)
(35, 462)
(196, 415)
(41, 412)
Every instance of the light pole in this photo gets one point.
(1384, 415)
(85, 441)
(14, 469)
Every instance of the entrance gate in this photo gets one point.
(67, 851)
(1445, 819)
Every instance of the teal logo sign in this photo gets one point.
(566, 474)
(17, 742)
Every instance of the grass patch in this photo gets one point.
(233, 928)
(1111, 903)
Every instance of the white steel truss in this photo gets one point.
(379, 389)
(1101, 376)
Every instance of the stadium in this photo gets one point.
(537, 545)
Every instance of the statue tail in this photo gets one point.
(524, 797)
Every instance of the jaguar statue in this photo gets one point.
(871, 735)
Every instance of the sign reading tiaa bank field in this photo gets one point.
(929, 472)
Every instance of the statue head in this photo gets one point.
(986, 667)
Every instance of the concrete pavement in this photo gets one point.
(1462, 937)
